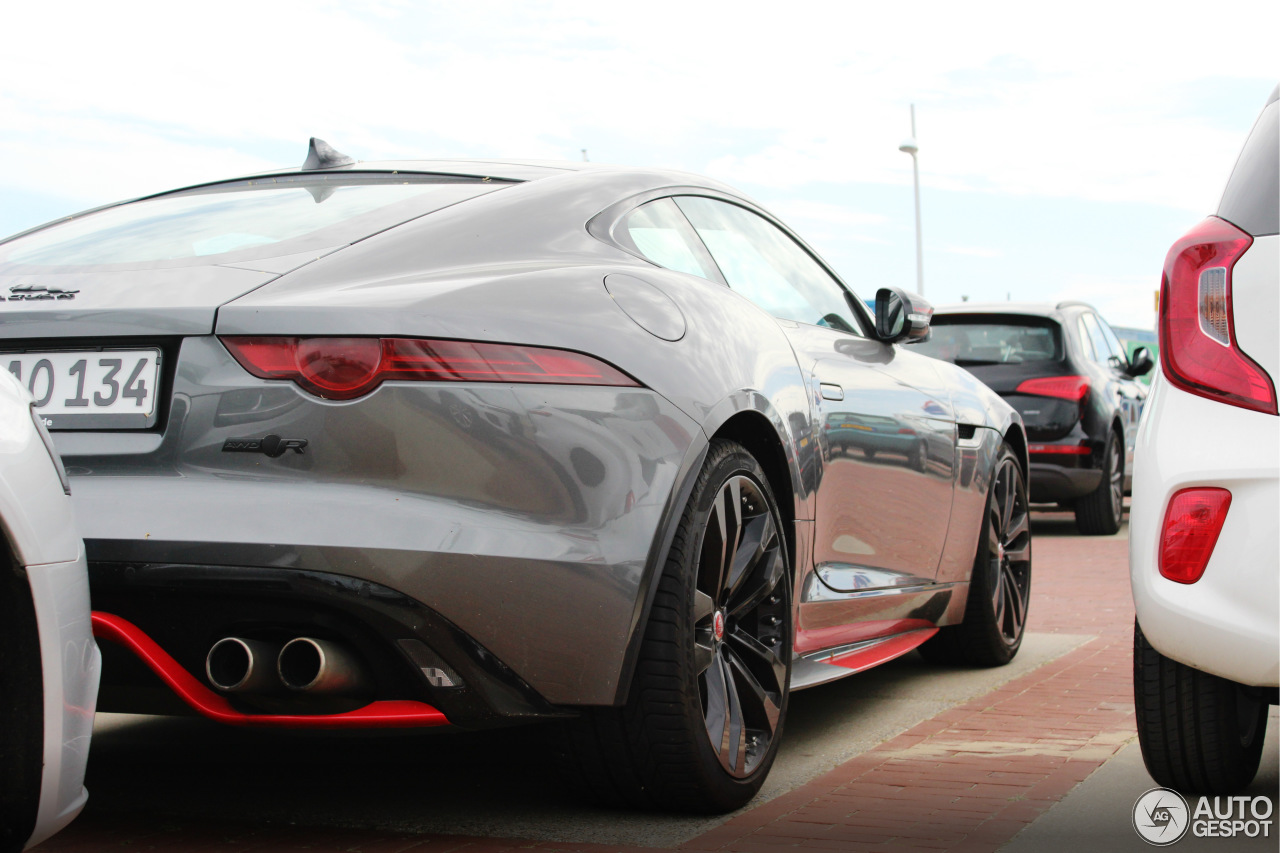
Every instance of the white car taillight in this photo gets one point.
(1198, 348)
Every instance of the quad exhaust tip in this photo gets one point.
(304, 664)
(320, 666)
(236, 665)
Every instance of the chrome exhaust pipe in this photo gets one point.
(236, 665)
(320, 666)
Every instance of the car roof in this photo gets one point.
(497, 169)
(627, 180)
(1036, 309)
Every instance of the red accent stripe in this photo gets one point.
(815, 639)
(399, 713)
(1069, 449)
(891, 648)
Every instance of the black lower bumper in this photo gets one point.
(404, 645)
(1052, 483)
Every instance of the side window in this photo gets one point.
(765, 265)
(659, 232)
(1117, 348)
(1086, 343)
(1099, 341)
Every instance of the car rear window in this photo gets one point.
(978, 339)
(241, 220)
(1250, 199)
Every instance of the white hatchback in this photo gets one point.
(49, 663)
(1204, 551)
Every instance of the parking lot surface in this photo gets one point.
(1038, 755)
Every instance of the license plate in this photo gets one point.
(101, 389)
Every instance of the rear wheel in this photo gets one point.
(1099, 512)
(707, 704)
(995, 615)
(1199, 733)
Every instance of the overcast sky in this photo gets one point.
(1063, 147)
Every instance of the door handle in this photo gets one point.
(831, 391)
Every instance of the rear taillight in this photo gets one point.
(346, 368)
(1197, 330)
(1190, 530)
(1063, 387)
(1063, 449)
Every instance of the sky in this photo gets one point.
(1062, 147)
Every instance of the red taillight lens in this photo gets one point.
(1063, 387)
(1191, 527)
(1066, 449)
(1197, 330)
(346, 368)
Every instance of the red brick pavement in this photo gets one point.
(966, 780)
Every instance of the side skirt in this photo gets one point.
(831, 664)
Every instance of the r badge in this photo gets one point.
(271, 445)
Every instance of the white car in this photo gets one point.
(49, 663)
(1203, 549)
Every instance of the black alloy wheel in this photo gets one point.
(1008, 552)
(739, 611)
(995, 616)
(707, 704)
(1100, 512)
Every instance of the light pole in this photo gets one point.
(912, 148)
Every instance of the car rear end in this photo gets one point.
(421, 513)
(1204, 549)
(1023, 357)
(1208, 456)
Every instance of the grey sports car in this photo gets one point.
(472, 443)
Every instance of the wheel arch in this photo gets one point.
(1018, 441)
(753, 431)
(748, 419)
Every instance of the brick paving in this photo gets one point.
(966, 780)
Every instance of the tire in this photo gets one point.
(995, 615)
(1099, 512)
(709, 697)
(918, 458)
(1200, 734)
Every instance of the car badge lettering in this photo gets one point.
(272, 445)
(37, 292)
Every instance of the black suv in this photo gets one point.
(1065, 371)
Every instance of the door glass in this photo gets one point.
(659, 232)
(1086, 340)
(1117, 348)
(765, 265)
(1100, 345)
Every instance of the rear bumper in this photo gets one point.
(528, 517)
(1051, 483)
(1228, 622)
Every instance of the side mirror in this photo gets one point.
(1141, 362)
(901, 317)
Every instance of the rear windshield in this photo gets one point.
(1252, 198)
(243, 220)
(993, 340)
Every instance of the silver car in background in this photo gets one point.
(475, 443)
